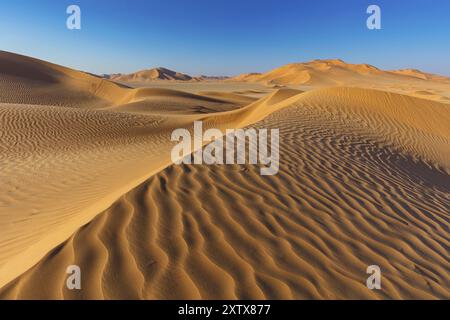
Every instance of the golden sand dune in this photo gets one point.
(352, 190)
(31, 81)
(62, 166)
(333, 72)
(151, 75)
(363, 180)
(164, 101)
(416, 126)
(326, 73)
(250, 77)
(27, 80)
(235, 97)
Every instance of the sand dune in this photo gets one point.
(327, 73)
(250, 77)
(27, 80)
(30, 81)
(421, 75)
(333, 72)
(151, 75)
(87, 180)
(164, 101)
(159, 74)
(237, 98)
(345, 197)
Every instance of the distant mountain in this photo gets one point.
(110, 76)
(421, 75)
(151, 75)
(203, 77)
(331, 72)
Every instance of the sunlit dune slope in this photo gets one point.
(32, 81)
(165, 101)
(26, 80)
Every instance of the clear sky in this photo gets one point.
(227, 37)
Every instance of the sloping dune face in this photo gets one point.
(25, 80)
(363, 181)
(421, 75)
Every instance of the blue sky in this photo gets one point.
(227, 37)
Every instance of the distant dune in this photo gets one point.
(151, 75)
(87, 179)
(250, 77)
(27, 80)
(332, 72)
(335, 72)
(157, 74)
(110, 76)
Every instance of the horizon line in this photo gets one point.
(228, 75)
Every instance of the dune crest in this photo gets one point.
(332, 72)
(335, 72)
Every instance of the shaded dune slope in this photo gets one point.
(163, 101)
(363, 180)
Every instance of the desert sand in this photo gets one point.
(152, 74)
(326, 73)
(87, 179)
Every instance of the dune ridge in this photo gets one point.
(421, 75)
(336, 72)
(89, 156)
